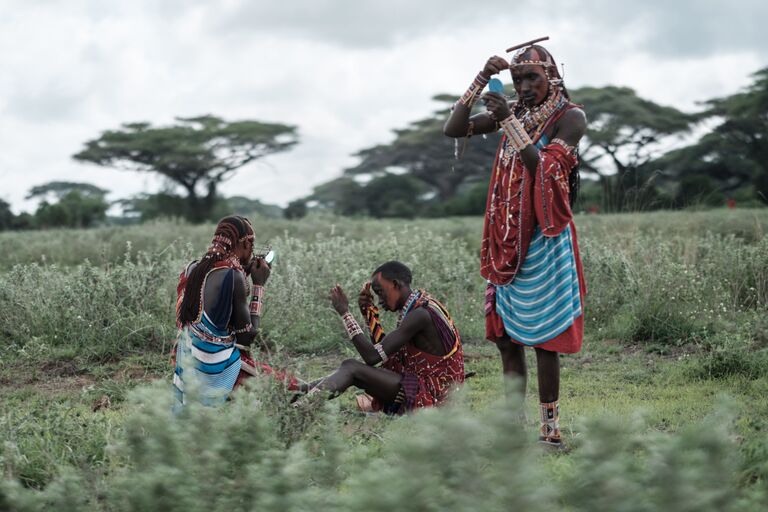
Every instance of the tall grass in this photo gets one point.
(649, 281)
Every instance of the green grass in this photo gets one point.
(665, 408)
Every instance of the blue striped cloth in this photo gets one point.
(543, 300)
(207, 364)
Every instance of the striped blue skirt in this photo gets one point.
(543, 300)
(207, 364)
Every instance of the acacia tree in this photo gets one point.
(425, 153)
(59, 189)
(196, 154)
(734, 155)
(625, 132)
(6, 216)
(69, 204)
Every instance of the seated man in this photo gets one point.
(421, 360)
(216, 317)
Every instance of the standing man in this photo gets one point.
(529, 252)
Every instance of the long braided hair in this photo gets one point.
(538, 55)
(229, 232)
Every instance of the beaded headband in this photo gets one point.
(539, 56)
(546, 62)
(248, 237)
(221, 240)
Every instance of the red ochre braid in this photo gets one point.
(228, 232)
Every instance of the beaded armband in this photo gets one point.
(473, 92)
(257, 300)
(515, 132)
(564, 144)
(351, 325)
(381, 352)
(247, 328)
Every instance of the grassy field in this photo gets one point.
(665, 408)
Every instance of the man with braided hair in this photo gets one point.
(218, 308)
(529, 252)
(414, 366)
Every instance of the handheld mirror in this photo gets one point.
(495, 85)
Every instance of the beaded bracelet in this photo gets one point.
(470, 97)
(381, 352)
(243, 329)
(515, 132)
(351, 325)
(257, 300)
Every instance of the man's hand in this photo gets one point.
(259, 271)
(494, 66)
(339, 300)
(365, 298)
(497, 105)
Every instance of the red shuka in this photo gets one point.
(517, 203)
(427, 378)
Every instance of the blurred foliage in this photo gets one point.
(59, 189)
(631, 149)
(733, 154)
(445, 459)
(146, 207)
(296, 209)
(73, 210)
(196, 154)
(624, 134)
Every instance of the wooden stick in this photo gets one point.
(247, 368)
(516, 47)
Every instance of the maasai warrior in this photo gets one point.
(416, 365)
(529, 253)
(219, 307)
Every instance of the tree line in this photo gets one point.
(631, 159)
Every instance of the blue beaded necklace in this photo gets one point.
(408, 305)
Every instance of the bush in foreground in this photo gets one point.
(235, 458)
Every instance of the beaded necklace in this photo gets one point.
(408, 304)
(534, 117)
(534, 120)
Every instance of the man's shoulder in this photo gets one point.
(417, 316)
(575, 115)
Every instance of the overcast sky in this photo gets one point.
(345, 72)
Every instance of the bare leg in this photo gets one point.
(378, 382)
(548, 364)
(513, 364)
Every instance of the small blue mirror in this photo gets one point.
(495, 85)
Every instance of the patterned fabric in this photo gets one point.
(525, 208)
(518, 201)
(427, 378)
(374, 324)
(210, 353)
(543, 300)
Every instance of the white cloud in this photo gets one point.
(346, 73)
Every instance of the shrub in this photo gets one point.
(232, 459)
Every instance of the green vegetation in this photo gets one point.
(665, 408)
(195, 154)
(631, 159)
